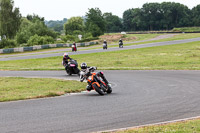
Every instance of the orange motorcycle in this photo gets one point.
(97, 83)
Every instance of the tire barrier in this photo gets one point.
(46, 46)
(9, 50)
(28, 48)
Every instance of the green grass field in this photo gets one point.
(17, 88)
(173, 57)
(190, 126)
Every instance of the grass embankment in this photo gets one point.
(114, 37)
(173, 57)
(146, 38)
(175, 37)
(13, 88)
(187, 29)
(190, 126)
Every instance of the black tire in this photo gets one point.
(109, 90)
(98, 90)
(68, 72)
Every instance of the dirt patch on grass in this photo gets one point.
(163, 36)
(110, 38)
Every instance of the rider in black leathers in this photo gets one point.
(120, 41)
(66, 59)
(105, 42)
(87, 72)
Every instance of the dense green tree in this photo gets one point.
(95, 22)
(9, 18)
(134, 19)
(24, 34)
(157, 16)
(196, 15)
(113, 22)
(152, 15)
(74, 24)
(30, 28)
(33, 18)
(180, 15)
(127, 20)
(57, 25)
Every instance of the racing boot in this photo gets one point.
(103, 77)
(89, 87)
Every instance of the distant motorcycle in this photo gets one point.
(104, 46)
(72, 67)
(74, 48)
(120, 45)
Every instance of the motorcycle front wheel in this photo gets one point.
(109, 90)
(98, 89)
(68, 72)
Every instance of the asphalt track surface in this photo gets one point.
(101, 50)
(138, 98)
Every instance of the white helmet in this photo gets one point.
(65, 54)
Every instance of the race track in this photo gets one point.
(138, 98)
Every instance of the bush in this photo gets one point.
(46, 40)
(4, 43)
(40, 40)
(60, 41)
(34, 40)
(68, 38)
(88, 35)
(22, 37)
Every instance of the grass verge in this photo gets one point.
(173, 57)
(175, 37)
(187, 29)
(190, 126)
(18, 88)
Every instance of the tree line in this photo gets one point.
(161, 16)
(16, 30)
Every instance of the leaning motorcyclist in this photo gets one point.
(66, 59)
(87, 72)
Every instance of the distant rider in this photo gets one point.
(87, 72)
(66, 59)
(120, 41)
(105, 42)
(74, 47)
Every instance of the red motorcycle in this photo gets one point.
(74, 48)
